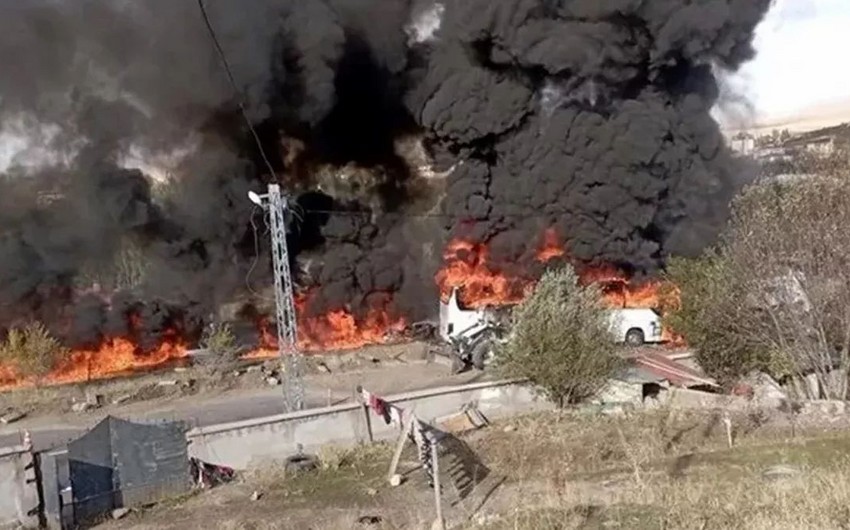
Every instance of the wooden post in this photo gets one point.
(359, 397)
(399, 446)
(727, 421)
(368, 423)
(435, 466)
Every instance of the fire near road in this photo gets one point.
(49, 431)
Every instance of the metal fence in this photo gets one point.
(116, 464)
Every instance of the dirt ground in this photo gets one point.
(560, 470)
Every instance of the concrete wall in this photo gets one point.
(18, 488)
(239, 444)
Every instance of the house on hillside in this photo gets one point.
(822, 142)
(743, 143)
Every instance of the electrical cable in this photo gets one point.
(351, 213)
(300, 211)
(241, 103)
(235, 87)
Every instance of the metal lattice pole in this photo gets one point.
(287, 325)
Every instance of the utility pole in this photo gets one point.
(287, 324)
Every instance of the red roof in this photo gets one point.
(675, 372)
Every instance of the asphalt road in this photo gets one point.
(198, 411)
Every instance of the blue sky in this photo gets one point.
(802, 62)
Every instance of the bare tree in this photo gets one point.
(776, 294)
(791, 244)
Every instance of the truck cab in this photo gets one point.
(457, 322)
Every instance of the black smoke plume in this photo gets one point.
(590, 116)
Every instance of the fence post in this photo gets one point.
(358, 395)
(399, 447)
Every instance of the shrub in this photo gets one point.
(712, 317)
(32, 350)
(560, 339)
(221, 343)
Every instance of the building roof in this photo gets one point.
(656, 367)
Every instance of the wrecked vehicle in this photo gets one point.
(472, 335)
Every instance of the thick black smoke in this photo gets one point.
(589, 116)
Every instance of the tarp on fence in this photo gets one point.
(119, 463)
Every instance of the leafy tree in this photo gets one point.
(560, 339)
(712, 318)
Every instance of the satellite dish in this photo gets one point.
(256, 199)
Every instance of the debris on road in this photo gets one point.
(256, 496)
(468, 419)
(168, 382)
(117, 400)
(120, 513)
(83, 406)
(272, 381)
(11, 416)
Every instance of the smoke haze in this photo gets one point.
(127, 162)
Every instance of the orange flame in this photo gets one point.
(113, 357)
(335, 330)
(467, 269)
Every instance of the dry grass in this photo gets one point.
(58, 399)
(349, 484)
(569, 443)
(816, 498)
(666, 469)
(663, 469)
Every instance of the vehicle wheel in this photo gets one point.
(301, 463)
(482, 351)
(635, 337)
(458, 364)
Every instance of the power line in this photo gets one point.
(287, 330)
(269, 167)
(435, 215)
(235, 87)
